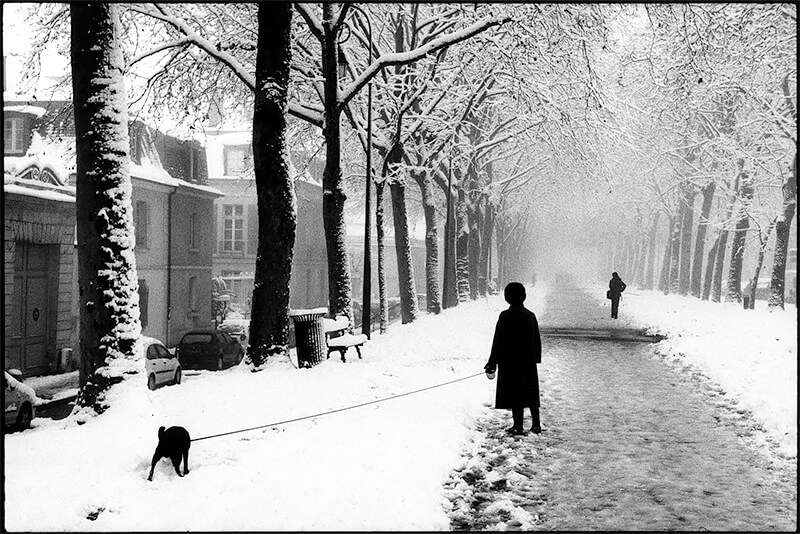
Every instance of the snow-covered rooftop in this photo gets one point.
(229, 138)
(32, 110)
(158, 175)
(36, 189)
(59, 166)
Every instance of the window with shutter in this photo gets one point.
(193, 294)
(193, 232)
(144, 297)
(252, 229)
(12, 135)
(216, 238)
(238, 159)
(141, 220)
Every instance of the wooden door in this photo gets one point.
(33, 306)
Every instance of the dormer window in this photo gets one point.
(238, 159)
(13, 143)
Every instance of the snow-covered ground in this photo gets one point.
(373, 468)
(377, 467)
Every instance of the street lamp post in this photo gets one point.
(366, 293)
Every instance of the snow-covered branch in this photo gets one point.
(404, 58)
(165, 46)
(311, 19)
(201, 42)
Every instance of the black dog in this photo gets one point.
(172, 443)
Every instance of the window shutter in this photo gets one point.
(252, 229)
(144, 295)
(141, 220)
(217, 230)
(145, 222)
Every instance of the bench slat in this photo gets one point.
(347, 340)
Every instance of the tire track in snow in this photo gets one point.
(629, 442)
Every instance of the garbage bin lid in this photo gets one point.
(313, 311)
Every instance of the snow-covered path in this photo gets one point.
(629, 442)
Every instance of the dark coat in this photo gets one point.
(616, 286)
(516, 349)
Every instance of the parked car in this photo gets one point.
(161, 366)
(19, 400)
(237, 330)
(208, 349)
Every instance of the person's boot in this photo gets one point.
(536, 425)
(517, 415)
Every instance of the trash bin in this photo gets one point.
(309, 334)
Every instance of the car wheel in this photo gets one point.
(24, 417)
(178, 375)
(151, 382)
(220, 364)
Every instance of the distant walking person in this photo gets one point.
(516, 349)
(615, 288)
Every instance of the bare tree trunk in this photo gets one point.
(762, 249)
(462, 248)
(486, 230)
(651, 253)
(628, 255)
(108, 283)
(405, 272)
(687, 220)
(474, 245)
(674, 253)
(433, 291)
(333, 192)
(716, 283)
(501, 252)
(734, 290)
(449, 291)
(641, 261)
(719, 265)
(380, 187)
(712, 255)
(663, 279)
(782, 232)
(700, 240)
(277, 216)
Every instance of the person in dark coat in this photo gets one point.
(516, 349)
(615, 288)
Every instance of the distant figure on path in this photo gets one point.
(615, 288)
(516, 349)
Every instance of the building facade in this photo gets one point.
(174, 240)
(231, 172)
(174, 235)
(39, 275)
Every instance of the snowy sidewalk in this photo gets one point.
(628, 442)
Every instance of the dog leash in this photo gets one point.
(339, 409)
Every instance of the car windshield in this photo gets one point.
(189, 339)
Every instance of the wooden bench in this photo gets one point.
(339, 339)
